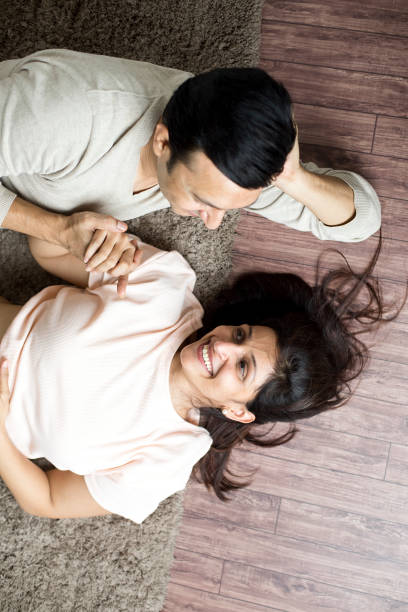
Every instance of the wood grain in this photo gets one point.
(355, 532)
(397, 469)
(196, 570)
(335, 48)
(335, 128)
(332, 450)
(391, 137)
(245, 507)
(298, 558)
(368, 417)
(320, 486)
(294, 594)
(339, 88)
(389, 176)
(378, 17)
(184, 599)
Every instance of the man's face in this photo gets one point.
(199, 189)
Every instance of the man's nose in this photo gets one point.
(212, 218)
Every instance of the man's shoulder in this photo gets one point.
(102, 72)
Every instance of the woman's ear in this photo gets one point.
(239, 413)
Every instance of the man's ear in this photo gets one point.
(160, 139)
(239, 413)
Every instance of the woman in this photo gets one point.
(111, 393)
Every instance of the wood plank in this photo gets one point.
(293, 594)
(307, 560)
(320, 486)
(394, 220)
(375, 53)
(391, 137)
(390, 343)
(344, 14)
(397, 470)
(196, 570)
(280, 244)
(388, 176)
(335, 128)
(184, 599)
(339, 88)
(332, 450)
(384, 380)
(245, 507)
(350, 531)
(372, 418)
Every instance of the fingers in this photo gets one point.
(4, 388)
(122, 285)
(110, 251)
(106, 223)
(97, 240)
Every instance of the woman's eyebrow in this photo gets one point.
(250, 329)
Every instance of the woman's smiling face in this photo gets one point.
(227, 367)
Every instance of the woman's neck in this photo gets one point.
(179, 392)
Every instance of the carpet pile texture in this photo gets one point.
(109, 563)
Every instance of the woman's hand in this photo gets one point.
(4, 392)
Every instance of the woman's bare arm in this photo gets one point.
(59, 261)
(53, 494)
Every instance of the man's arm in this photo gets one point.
(45, 130)
(327, 197)
(331, 204)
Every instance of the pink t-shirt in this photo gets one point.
(89, 381)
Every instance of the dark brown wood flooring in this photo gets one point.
(324, 523)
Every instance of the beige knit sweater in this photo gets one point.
(72, 127)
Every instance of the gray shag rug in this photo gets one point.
(109, 563)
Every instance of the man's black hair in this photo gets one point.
(241, 118)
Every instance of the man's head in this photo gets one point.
(224, 135)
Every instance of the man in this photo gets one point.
(121, 138)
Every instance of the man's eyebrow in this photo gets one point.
(213, 205)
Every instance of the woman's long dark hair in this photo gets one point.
(319, 353)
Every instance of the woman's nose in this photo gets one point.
(225, 349)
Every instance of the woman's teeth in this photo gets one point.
(206, 358)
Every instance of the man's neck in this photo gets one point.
(146, 173)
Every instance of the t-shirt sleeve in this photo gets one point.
(162, 271)
(278, 206)
(135, 490)
(45, 123)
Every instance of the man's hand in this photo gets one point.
(329, 198)
(100, 241)
(291, 167)
(80, 232)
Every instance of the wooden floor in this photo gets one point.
(324, 524)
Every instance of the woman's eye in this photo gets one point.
(242, 368)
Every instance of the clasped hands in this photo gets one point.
(101, 242)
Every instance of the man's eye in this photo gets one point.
(242, 368)
(239, 334)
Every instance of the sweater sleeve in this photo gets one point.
(45, 123)
(280, 207)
